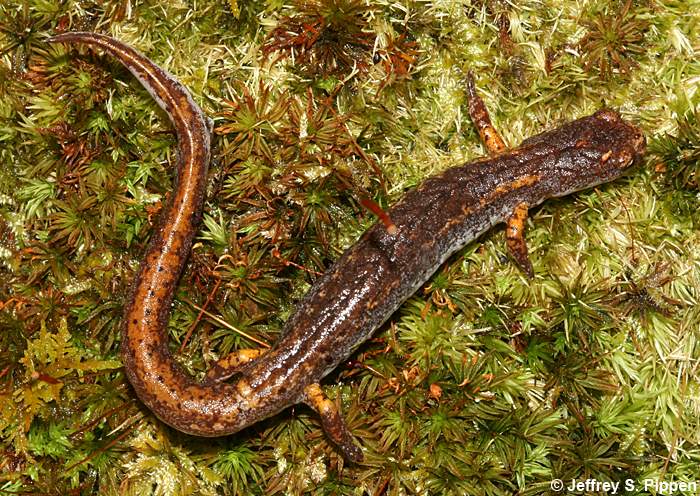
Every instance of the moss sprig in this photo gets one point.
(614, 37)
(325, 37)
(679, 153)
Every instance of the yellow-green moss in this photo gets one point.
(483, 382)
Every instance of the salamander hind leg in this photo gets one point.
(480, 117)
(515, 238)
(227, 366)
(333, 423)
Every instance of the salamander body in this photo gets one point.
(364, 286)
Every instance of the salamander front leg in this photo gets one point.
(227, 366)
(480, 117)
(333, 423)
(515, 238)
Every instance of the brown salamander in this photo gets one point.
(369, 281)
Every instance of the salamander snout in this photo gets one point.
(633, 144)
(639, 141)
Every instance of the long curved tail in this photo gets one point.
(215, 407)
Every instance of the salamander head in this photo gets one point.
(603, 146)
(627, 143)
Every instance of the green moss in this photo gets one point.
(483, 382)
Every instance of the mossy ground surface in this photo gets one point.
(484, 382)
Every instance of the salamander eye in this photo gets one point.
(607, 115)
(638, 142)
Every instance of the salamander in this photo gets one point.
(364, 287)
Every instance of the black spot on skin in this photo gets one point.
(151, 293)
(147, 311)
(134, 321)
(160, 378)
(160, 268)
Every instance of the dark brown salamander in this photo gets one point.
(369, 281)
